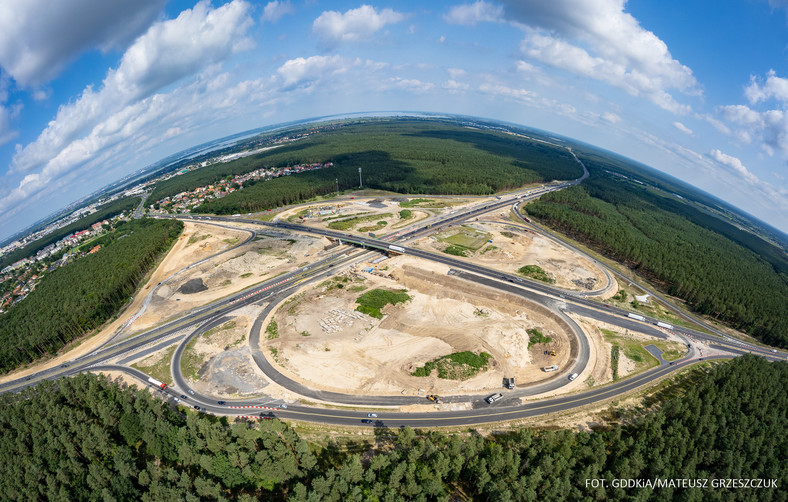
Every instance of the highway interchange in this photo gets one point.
(348, 412)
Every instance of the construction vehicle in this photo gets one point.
(552, 353)
(435, 399)
(508, 383)
(548, 369)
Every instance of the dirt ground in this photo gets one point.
(263, 258)
(324, 342)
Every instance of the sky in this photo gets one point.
(92, 90)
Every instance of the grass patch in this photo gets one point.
(406, 214)
(305, 333)
(230, 241)
(371, 302)
(351, 222)
(465, 237)
(272, 330)
(535, 336)
(274, 354)
(196, 238)
(161, 370)
(191, 362)
(357, 289)
(217, 329)
(247, 274)
(509, 235)
(455, 250)
(535, 272)
(634, 350)
(457, 366)
(671, 351)
(373, 228)
(488, 248)
(614, 354)
(414, 202)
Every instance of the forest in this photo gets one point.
(79, 297)
(721, 271)
(85, 438)
(401, 156)
(107, 211)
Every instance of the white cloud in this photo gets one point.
(681, 127)
(413, 85)
(302, 70)
(501, 90)
(773, 87)
(333, 27)
(87, 130)
(611, 117)
(38, 38)
(274, 11)
(456, 72)
(599, 40)
(470, 14)
(6, 132)
(453, 86)
(734, 164)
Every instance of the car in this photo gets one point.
(184, 397)
(177, 400)
(572, 376)
(283, 405)
(220, 402)
(64, 366)
(191, 392)
(366, 421)
(372, 415)
(196, 407)
(494, 397)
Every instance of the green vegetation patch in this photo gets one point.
(488, 249)
(405, 214)
(615, 353)
(535, 336)
(196, 238)
(373, 228)
(352, 222)
(456, 250)
(372, 301)
(535, 272)
(456, 366)
(414, 202)
(218, 329)
(465, 237)
(632, 349)
(160, 370)
(272, 330)
(191, 361)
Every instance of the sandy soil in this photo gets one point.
(261, 259)
(325, 343)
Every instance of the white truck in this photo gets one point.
(636, 316)
(398, 249)
(158, 384)
(495, 397)
(548, 369)
(664, 325)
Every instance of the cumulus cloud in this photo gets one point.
(470, 14)
(773, 87)
(599, 40)
(38, 38)
(681, 127)
(304, 70)
(333, 27)
(735, 165)
(274, 11)
(413, 85)
(90, 127)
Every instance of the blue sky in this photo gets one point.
(91, 90)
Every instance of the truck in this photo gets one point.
(494, 397)
(158, 384)
(636, 316)
(508, 383)
(664, 325)
(398, 249)
(548, 369)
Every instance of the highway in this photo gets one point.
(193, 324)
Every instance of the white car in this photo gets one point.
(372, 415)
(572, 376)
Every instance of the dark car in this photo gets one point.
(196, 407)
(183, 396)
(366, 421)
(220, 402)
